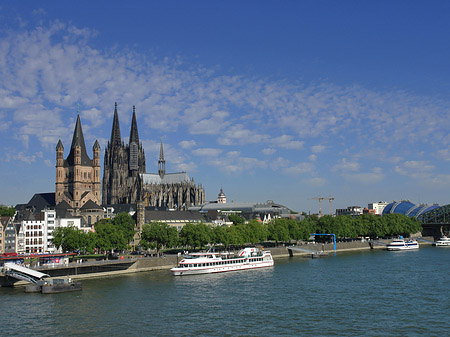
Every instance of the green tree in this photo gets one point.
(125, 223)
(7, 211)
(258, 230)
(195, 235)
(221, 235)
(236, 219)
(279, 230)
(158, 234)
(109, 237)
(68, 238)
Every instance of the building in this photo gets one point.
(350, 210)
(260, 211)
(221, 198)
(122, 165)
(406, 207)
(77, 176)
(175, 219)
(377, 207)
(126, 182)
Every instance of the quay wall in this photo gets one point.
(99, 269)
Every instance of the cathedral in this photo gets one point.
(126, 182)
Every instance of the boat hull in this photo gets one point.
(219, 269)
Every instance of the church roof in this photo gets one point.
(169, 178)
(63, 205)
(39, 201)
(78, 140)
(91, 205)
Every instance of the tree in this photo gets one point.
(221, 235)
(68, 238)
(158, 234)
(125, 223)
(109, 237)
(236, 219)
(279, 230)
(195, 235)
(7, 211)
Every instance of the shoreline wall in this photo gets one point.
(103, 269)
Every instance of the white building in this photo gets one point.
(378, 207)
(36, 230)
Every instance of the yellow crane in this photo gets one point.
(330, 198)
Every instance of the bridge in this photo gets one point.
(436, 222)
(22, 273)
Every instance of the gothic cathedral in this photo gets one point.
(126, 182)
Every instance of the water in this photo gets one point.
(374, 293)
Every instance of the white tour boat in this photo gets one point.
(442, 242)
(401, 244)
(211, 262)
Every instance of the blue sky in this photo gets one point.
(280, 100)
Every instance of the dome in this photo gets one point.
(407, 208)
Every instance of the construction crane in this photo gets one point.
(320, 204)
(330, 198)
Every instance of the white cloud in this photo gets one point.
(444, 154)
(24, 158)
(268, 151)
(415, 169)
(372, 177)
(239, 134)
(207, 152)
(318, 148)
(287, 142)
(315, 181)
(300, 168)
(345, 166)
(279, 163)
(187, 144)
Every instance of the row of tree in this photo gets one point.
(117, 234)
(109, 235)
(156, 235)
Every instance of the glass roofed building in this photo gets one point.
(408, 208)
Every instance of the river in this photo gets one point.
(371, 293)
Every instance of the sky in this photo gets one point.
(270, 100)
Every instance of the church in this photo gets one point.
(125, 180)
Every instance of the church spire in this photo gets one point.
(134, 136)
(78, 142)
(115, 133)
(161, 162)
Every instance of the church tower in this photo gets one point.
(77, 177)
(122, 164)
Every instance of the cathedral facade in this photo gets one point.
(126, 182)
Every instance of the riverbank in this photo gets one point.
(102, 269)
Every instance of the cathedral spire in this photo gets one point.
(161, 162)
(134, 136)
(115, 133)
